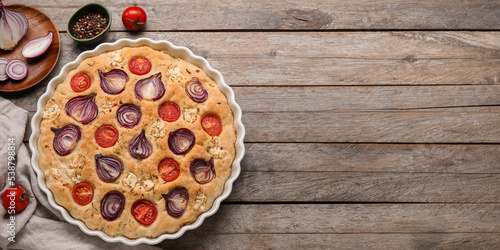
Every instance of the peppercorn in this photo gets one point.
(89, 26)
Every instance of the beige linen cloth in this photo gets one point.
(39, 226)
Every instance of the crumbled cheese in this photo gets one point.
(158, 129)
(69, 174)
(53, 112)
(148, 184)
(116, 58)
(55, 173)
(77, 163)
(199, 202)
(190, 115)
(215, 149)
(174, 74)
(130, 181)
(107, 104)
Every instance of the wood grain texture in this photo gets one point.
(335, 241)
(296, 15)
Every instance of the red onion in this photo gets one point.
(112, 205)
(128, 115)
(195, 90)
(37, 46)
(3, 68)
(181, 141)
(150, 88)
(13, 26)
(140, 147)
(176, 201)
(16, 69)
(108, 167)
(114, 81)
(203, 172)
(82, 108)
(66, 139)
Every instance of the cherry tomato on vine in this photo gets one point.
(15, 198)
(134, 18)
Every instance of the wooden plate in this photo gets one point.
(40, 67)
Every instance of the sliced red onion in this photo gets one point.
(13, 27)
(38, 46)
(181, 141)
(114, 81)
(66, 139)
(108, 167)
(3, 68)
(112, 205)
(16, 69)
(140, 147)
(150, 88)
(128, 115)
(203, 172)
(82, 108)
(196, 91)
(176, 201)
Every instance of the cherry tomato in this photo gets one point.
(211, 124)
(169, 112)
(134, 18)
(15, 198)
(106, 136)
(83, 193)
(169, 169)
(144, 212)
(80, 82)
(140, 66)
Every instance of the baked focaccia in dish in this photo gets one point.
(136, 143)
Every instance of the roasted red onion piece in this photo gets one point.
(66, 138)
(112, 205)
(37, 46)
(150, 88)
(195, 90)
(203, 172)
(181, 141)
(129, 115)
(140, 147)
(114, 81)
(108, 167)
(82, 108)
(176, 201)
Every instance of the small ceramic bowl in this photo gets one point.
(84, 10)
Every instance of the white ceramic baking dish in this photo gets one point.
(177, 51)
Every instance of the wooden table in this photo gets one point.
(370, 124)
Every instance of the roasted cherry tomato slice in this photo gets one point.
(15, 198)
(144, 212)
(80, 82)
(106, 136)
(83, 193)
(211, 124)
(169, 169)
(140, 66)
(134, 18)
(169, 112)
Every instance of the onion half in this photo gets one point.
(66, 139)
(203, 172)
(140, 147)
(108, 168)
(181, 141)
(114, 81)
(176, 201)
(82, 108)
(128, 115)
(38, 46)
(112, 205)
(13, 27)
(196, 91)
(150, 88)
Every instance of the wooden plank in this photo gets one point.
(352, 218)
(392, 158)
(321, 58)
(193, 240)
(306, 186)
(296, 14)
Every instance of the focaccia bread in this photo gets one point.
(130, 179)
